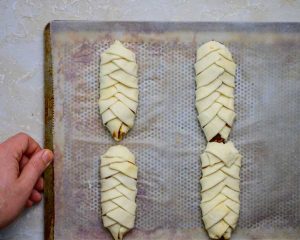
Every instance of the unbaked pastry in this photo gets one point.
(220, 192)
(221, 161)
(215, 72)
(118, 173)
(118, 89)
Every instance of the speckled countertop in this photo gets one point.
(21, 55)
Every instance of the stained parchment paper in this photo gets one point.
(166, 138)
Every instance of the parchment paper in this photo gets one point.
(166, 138)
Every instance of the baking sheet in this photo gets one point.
(166, 138)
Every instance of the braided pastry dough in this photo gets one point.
(220, 192)
(118, 190)
(221, 161)
(118, 89)
(215, 72)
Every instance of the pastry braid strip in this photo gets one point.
(220, 191)
(118, 190)
(215, 73)
(118, 89)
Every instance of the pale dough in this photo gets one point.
(118, 190)
(221, 162)
(220, 184)
(118, 89)
(215, 74)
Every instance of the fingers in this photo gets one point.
(19, 145)
(29, 204)
(23, 162)
(34, 169)
(35, 196)
(39, 186)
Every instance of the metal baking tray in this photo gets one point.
(166, 137)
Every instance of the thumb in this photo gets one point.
(35, 168)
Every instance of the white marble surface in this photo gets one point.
(21, 55)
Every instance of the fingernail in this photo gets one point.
(47, 157)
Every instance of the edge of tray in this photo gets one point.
(160, 26)
(48, 142)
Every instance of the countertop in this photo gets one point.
(21, 56)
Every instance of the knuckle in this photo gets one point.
(21, 135)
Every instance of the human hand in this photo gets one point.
(22, 162)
